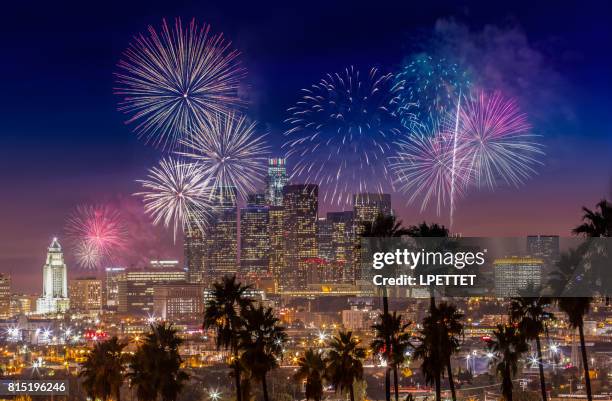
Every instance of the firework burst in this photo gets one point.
(342, 132)
(425, 167)
(495, 141)
(171, 80)
(430, 88)
(98, 232)
(230, 151)
(177, 194)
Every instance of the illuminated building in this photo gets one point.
(514, 274)
(23, 304)
(54, 298)
(275, 181)
(300, 232)
(164, 264)
(111, 287)
(85, 294)
(5, 295)
(194, 248)
(276, 259)
(178, 301)
(545, 247)
(136, 288)
(222, 237)
(366, 207)
(254, 237)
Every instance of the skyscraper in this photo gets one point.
(514, 274)
(5, 295)
(55, 282)
(111, 287)
(194, 250)
(85, 294)
(342, 240)
(275, 181)
(277, 244)
(300, 232)
(137, 288)
(545, 247)
(254, 236)
(366, 207)
(222, 237)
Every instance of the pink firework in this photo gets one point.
(424, 167)
(494, 140)
(98, 232)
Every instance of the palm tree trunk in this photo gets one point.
(388, 383)
(451, 381)
(438, 388)
(385, 300)
(264, 385)
(352, 392)
(508, 385)
(396, 383)
(585, 362)
(237, 377)
(541, 367)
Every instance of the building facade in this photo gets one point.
(136, 288)
(254, 237)
(178, 301)
(276, 181)
(222, 237)
(111, 287)
(54, 298)
(85, 295)
(515, 274)
(5, 295)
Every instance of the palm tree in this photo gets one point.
(156, 365)
(395, 329)
(223, 316)
(449, 322)
(507, 347)
(103, 370)
(385, 226)
(311, 368)
(531, 316)
(429, 351)
(345, 362)
(262, 343)
(597, 223)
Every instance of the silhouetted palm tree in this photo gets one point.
(597, 223)
(449, 322)
(345, 362)
(507, 346)
(385, 226)
(311, 368)
(223, 316)
(104, 369)
(531, 316)
(262, 343)
(393, 328)
(156, 365)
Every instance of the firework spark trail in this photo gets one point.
(425, 167)
(170, 81)
(98, 233)
(230, 151)
(495, 140)
(342, 132)
(177, 194)
(429, 89)
(452, 194)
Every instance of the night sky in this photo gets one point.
(64, 143)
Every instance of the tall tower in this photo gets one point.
(222, 237)
(194, 248)
(300, 231)
(275, 181)
(254, 237)
(55, 282)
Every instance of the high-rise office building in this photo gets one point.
(342, 228)
(514, 274)
(136, 288)
(254, 236)
(85, 294)
(54, 298)
(111, 287)
(5, 295)
(324, 239)
(545, 247)
(178, 301)
(366, 207)
(276, 181)
(222, 237)
(300, 227)
(194, 251)
(276, 234)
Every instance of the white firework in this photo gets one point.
(230, 151)
(178, 195)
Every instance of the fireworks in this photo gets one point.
(171, 80)
(177, 194)
(98, 232)
(229, 150)
(495, 140)
(430, 88)
(425, 167)
(342, 132)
